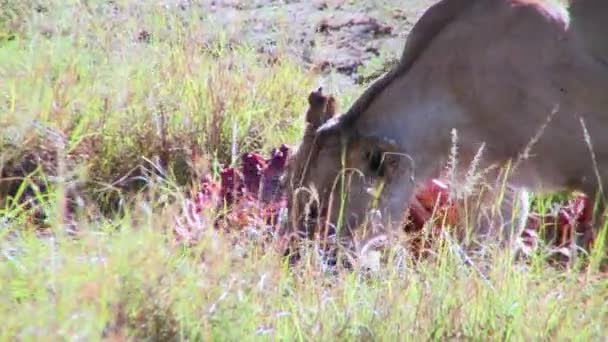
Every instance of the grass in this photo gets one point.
(129, 90)
(131, 282)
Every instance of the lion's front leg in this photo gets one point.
(503, 215)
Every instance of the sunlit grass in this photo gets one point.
(126, 279)
(124, 86)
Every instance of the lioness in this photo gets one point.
(527, 79)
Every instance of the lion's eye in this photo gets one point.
(374, 162)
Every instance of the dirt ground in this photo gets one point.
(353, 41)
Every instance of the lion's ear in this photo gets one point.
(317, 104)
(321, 108)
(331, 109)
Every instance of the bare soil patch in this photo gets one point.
(327, 36)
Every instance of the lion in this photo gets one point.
(523, 81)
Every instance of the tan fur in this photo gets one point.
(589, 16)
(493, 70)
(320, 109)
